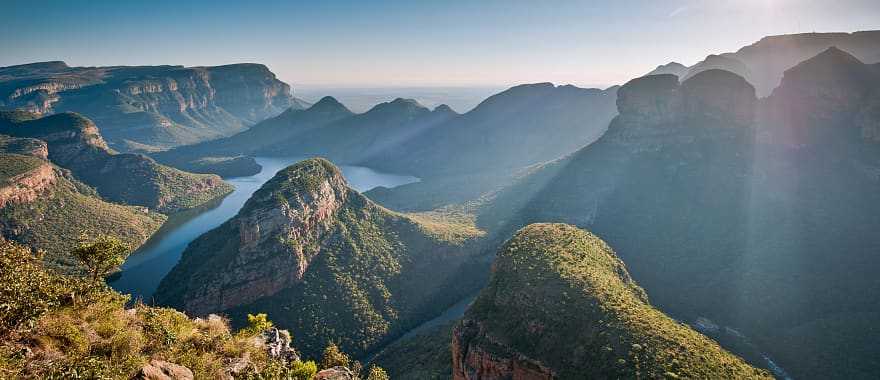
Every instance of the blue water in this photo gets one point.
(146, 267)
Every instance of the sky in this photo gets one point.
(361, 43)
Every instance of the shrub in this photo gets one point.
(333, 357)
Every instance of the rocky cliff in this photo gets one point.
(150, 107)
(831, 90)
(743, 211)
(561, 305)
(75, 143)
(323, 260)
(43, 206)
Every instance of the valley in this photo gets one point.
(425, 192)
(145, 268)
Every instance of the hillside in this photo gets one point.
(55, 326)
(770, 221)
(75, 143)
(518, 127)
(271, 135)
(561, 305)
(326, 262)
(144, 108)
(44, 207)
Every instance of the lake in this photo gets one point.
(145, 268)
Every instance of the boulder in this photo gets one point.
(162, 370)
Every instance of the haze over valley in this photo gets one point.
(467, 191)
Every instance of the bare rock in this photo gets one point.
(335, 373)
(162, 370)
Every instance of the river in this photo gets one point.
(145, 268)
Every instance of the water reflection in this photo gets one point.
(146, 267)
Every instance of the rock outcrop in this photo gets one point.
(150, 107)
(162, 370)
(318, 257)
(75, 143)
(27, 186)
(45, 207)
(560, 304)
(763, 63)
(711, 95)
(829, 86)
(335, 373)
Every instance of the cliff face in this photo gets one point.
(763, 63)
(276, 240)
(715, 95)
(744, 211)
(150, 107)
(27, 173)
(833, 89)
(75, 143)
(324, 260)
(560, 304)
(43, 206)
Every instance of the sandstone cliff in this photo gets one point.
(325, 261)
(43, 206)
(75, 143)
(150, 107)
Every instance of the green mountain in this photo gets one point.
(75, 143)
(145, 108)
(561, 305)
(326, 262)
(764, 224)
(44, 207)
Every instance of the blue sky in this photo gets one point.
(412, 43)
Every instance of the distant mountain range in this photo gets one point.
(764, 62)
(145, 108)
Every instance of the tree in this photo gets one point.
(377, 373)
(333, 357)
(102, 255)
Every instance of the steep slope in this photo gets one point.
(325, 261)
(771, 222)
(764, 62)
(386, 128)
(75, 143)
(560, 304)
(56, 326)
(150, 107)
(43, 207)
(484, 149)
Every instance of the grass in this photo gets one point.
(16, 164)
(55, 326)
(54, 221)
(559, 295)
(426, 356)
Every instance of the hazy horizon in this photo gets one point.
(388, 44)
